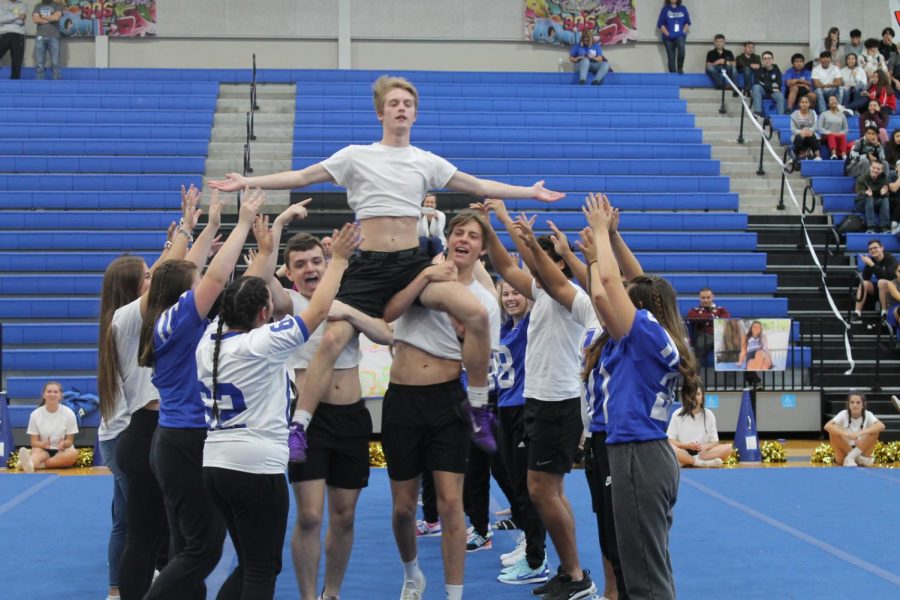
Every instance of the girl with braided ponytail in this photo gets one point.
(177, 306)
(241, 366)
(642, 355)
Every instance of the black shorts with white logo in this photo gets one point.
(552, 431)
(372, 278)
(423, 427)
(338, 451)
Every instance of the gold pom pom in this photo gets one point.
(895, 449)
(733, 459)
(376, 455)
(85, 458)
(823, 455)
(885, 454)
(772, 452)
(12, 462)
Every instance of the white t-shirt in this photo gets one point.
(134, 386)
(553, 355)
(349, 357)
(693, 428)
(853, 425)
(386, 181)
(52, 427)
(253, 386)
(431, 330)
(826, 76)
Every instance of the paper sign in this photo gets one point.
(751, 442)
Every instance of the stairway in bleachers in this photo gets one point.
(88, 170)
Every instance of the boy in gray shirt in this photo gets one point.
(46, 16)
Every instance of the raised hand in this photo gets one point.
(232, 183)
(598, 212)
(215, 246)
(294, 211)
(539, 192)
(170, 233)
(251, 202)
(249, 257)
(499, 208)
(586, 244)
(345, 242)
(560, 240)
(262, 234)
(215, 209)
(523, 231)
(190, 214)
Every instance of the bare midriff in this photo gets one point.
(412, 366)
(389, 234)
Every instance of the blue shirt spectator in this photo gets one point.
(587, 55)
(674, 23)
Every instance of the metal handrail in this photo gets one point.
(808, 190)
(251, 121)
(832, 234)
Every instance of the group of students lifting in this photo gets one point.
(200, 409)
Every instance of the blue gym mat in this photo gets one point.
(794, 533)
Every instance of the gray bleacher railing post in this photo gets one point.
(740, 139)
(253, 104)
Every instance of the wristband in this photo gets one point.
(167, 245)
(189, 237)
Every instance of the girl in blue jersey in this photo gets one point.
(247, 389)
(642, 353)
(175, 320)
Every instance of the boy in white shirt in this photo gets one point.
(827, 80)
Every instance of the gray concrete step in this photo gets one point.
(235, 119)
(264, 93)
(243, 106)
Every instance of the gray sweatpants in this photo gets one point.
(644, 490)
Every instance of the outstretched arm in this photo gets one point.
(375, 329)
(486, 188)
(629, 264)
(285, 180)
(552, 278)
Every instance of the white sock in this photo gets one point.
(454, 592)
(478, 396)
(699, 462)
(303, 417)
(854, 453)
(412, 571)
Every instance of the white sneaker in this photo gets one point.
(25, 462)
(712, 463)
(511, 558)
(426, 529)
(865, 461)
(850, 459)
(896, 401)
(895, 227)
(412, 589)
(818, 158)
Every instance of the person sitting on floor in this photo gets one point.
(803, 130)
(693, 435)
(853, 433)
(52, 427)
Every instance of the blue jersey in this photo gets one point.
(674, 18)
(793, 73)
(592, 51)
(596, 420)
(637, 376)
(175, 337)
(509, 363)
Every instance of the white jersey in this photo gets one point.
(591, 334)
(553, 355)
(431, 331)
(253, 390)
(349, 357)
(387, 181)
(134, 386)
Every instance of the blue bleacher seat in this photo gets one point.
(104, 101)
(833, 185)
(859, 242)
(339, 102)
(680, 241)
(742, 308)
(83, 240)
(49, 308)
(97, 200)
(55, 359)
(822, 168)
(575, 221)
(307, 118)
(33, 285)
(64, 261)
(88, 220)
(30, 387)
(106, 132)
(504, 90)
(102, 164)
(93, 147)
(111, 116)
(124, 183)
(625, 201)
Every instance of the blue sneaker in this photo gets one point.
(521, 573)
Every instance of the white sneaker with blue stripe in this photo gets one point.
(521, 573)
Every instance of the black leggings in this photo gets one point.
(596, 470)
(146, 513)
(196, 525)
(515, 455)
(255, 509)
(802, 144)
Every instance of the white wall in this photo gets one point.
(439, 34)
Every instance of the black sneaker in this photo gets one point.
(855, 319)
(573, 590)
(505, 525)
(551, 585)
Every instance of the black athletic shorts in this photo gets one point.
(372, 278)
(423, 427)
(338, 450)
(552, 431)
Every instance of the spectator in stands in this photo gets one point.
(865, 151)
(872, 60)
(887, 48)
(880, 267)
(872, 194)
(46, 16)
(892, 152)
(803, 130)
(827, 81)
(856, 83)
(674, 22)
(892, 318)
(587, 55)
(873, 116)
(719, 60)
(833, 128)
(853, 433)
(326, 248)
(52, 427)
(882, 91)
(798, 81)
(748, 64)
(854, 46)
(431, 227)
(832, 45)
(12, 34)
(694, 437)
(768, 83)
(701, 317)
